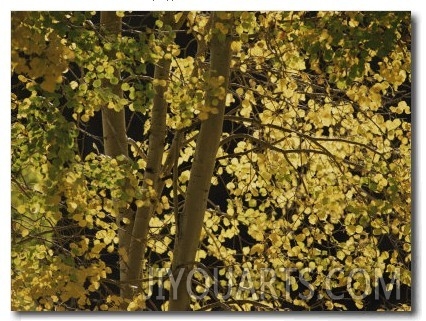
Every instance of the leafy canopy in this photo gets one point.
(313, 170)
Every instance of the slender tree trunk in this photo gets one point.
(114, 127)
(152, 184)
(113, 122)
(190, 221)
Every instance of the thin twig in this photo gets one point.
(137, 148)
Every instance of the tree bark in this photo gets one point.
(113, 122)
(152, 180)
(190, 221)
(114, 128)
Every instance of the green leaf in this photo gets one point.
(125, 87)
(114, 81)
(97, 83)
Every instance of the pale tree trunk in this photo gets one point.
(114, 125)
(152, 184)
(190, 221)
(151, 180)
(113, 122)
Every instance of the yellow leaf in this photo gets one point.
(178, 16)
(359, 304)
(246, 250)
(257, 248)
(252, 203)
(160, 82)
(77, 217)
(72, 205)
(73, 84)
(160, 247)
(350, 229)
(85, 118)
(98, 247)
(200, 255)
(359, 229)
(313, 219)
(21, 209)
(229, 99)
(94, 286)
(22, 78)
(138, 303)
(300, 237)
(236, 46)
(256, 51)
(132, 306)
(393, 124)
(25, 232)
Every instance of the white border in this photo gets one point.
(5, 238)
(419, 122)
(234, 5)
